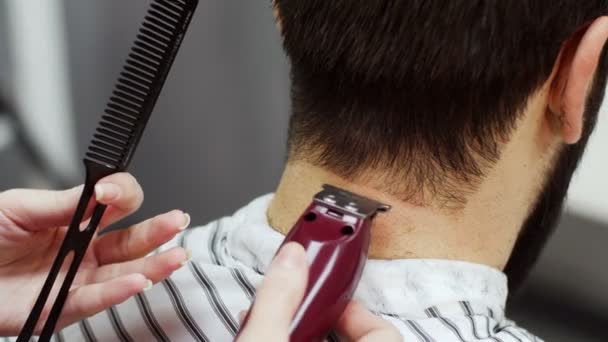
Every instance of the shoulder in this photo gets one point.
(252, 214)
(213, 243)
(460, 328)
(200, 301)
(202, 241)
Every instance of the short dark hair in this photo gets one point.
(427, 90)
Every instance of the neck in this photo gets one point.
(476, 234)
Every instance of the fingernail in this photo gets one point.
(291, 256)
(188, 258)
(106, 192)
(187, 221)
(149, 285)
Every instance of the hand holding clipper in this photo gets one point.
(335, 231)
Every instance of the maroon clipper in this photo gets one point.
(335, 231)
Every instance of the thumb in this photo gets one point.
(279, 296)
(36, 210)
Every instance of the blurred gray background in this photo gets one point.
(217, 137)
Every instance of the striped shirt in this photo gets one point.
(427, 300)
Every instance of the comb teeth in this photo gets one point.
(139, 84)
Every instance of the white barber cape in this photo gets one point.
(427, 300)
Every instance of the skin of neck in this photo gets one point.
(483, 232)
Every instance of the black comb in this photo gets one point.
(116, 139)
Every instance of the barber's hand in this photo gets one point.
(281, 293)
(32, 226)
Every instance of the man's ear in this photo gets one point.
(578, 63)
(277, 16)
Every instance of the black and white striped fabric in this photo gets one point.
(427, 300)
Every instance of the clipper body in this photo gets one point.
(335, 231)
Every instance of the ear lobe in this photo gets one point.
(575, 77)
(277, 16)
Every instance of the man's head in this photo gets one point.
(427, 100)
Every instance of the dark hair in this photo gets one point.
(428, 91)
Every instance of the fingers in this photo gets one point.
(279, 297)
(155, 267)
(141, 239)
(114, 284)
(36, 210)
(88, 300)
(122, 194)
(358, 324)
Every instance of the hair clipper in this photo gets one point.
(335, 231)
